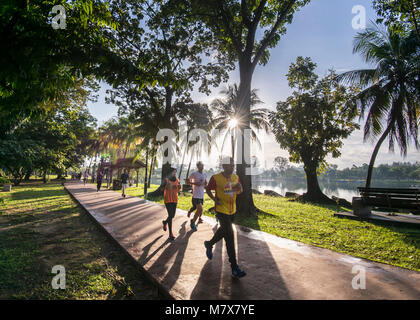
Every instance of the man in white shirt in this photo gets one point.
(198, 180)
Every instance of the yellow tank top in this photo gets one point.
(225, 193)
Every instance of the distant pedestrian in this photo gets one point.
(124, 181)
(198, 180)
(171, 187)
(99, 178)
(227, 187)
(85, 177)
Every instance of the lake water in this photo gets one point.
(341, 189)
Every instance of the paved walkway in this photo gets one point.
(276, 268)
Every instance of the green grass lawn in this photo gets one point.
(316, 225)
(41, 226)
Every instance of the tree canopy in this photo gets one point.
(312, 123)
(401, 15)
(390, 95)
(53, 141)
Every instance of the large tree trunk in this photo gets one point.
(232, 141)
(166, 170)
(28, 175)
(182, 162)
(189, 165)
(145, 174)
(17, 178)
(152, 168)
(244, 201)
(314, 193)
(374, 154)
(94, 172)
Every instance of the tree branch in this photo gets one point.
(258, 13)
(413, 16)
(153, 101)
(253, 27)
(226, 19)
(265, 42)
(244, 13)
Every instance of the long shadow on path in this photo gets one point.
(211, 270)
(176, 249)
(263, 279)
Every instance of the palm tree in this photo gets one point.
(195, 116)
(230, 120)
(389, 91)
(119, 137)
(122, 135)
(149, 145)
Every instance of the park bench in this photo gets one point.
(390, 199)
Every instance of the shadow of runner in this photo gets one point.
(263, 279)
(177, 249)
(145, 257)
(210, 275)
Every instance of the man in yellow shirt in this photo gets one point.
(227, 187)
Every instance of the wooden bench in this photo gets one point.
(391, 199)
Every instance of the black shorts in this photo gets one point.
(196, 201)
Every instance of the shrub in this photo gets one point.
(4, 180)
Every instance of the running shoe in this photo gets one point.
(209, 249)
(164, 225)
(189, 214)
(238, 273)
(193, 226)
(200, 220)
(171, 237)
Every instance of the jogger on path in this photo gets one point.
(227, 187)
(85, 177)
(170, 195)
(124, 181)
(198, 180)
(99, 177)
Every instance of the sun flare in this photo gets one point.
(233, 123)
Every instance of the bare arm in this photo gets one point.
(213, 197)
(210, 194)
(238, 188)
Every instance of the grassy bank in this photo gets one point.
(41, 226)
(316, 225)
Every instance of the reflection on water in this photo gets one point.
(341, 189)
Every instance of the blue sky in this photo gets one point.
(323, 31)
